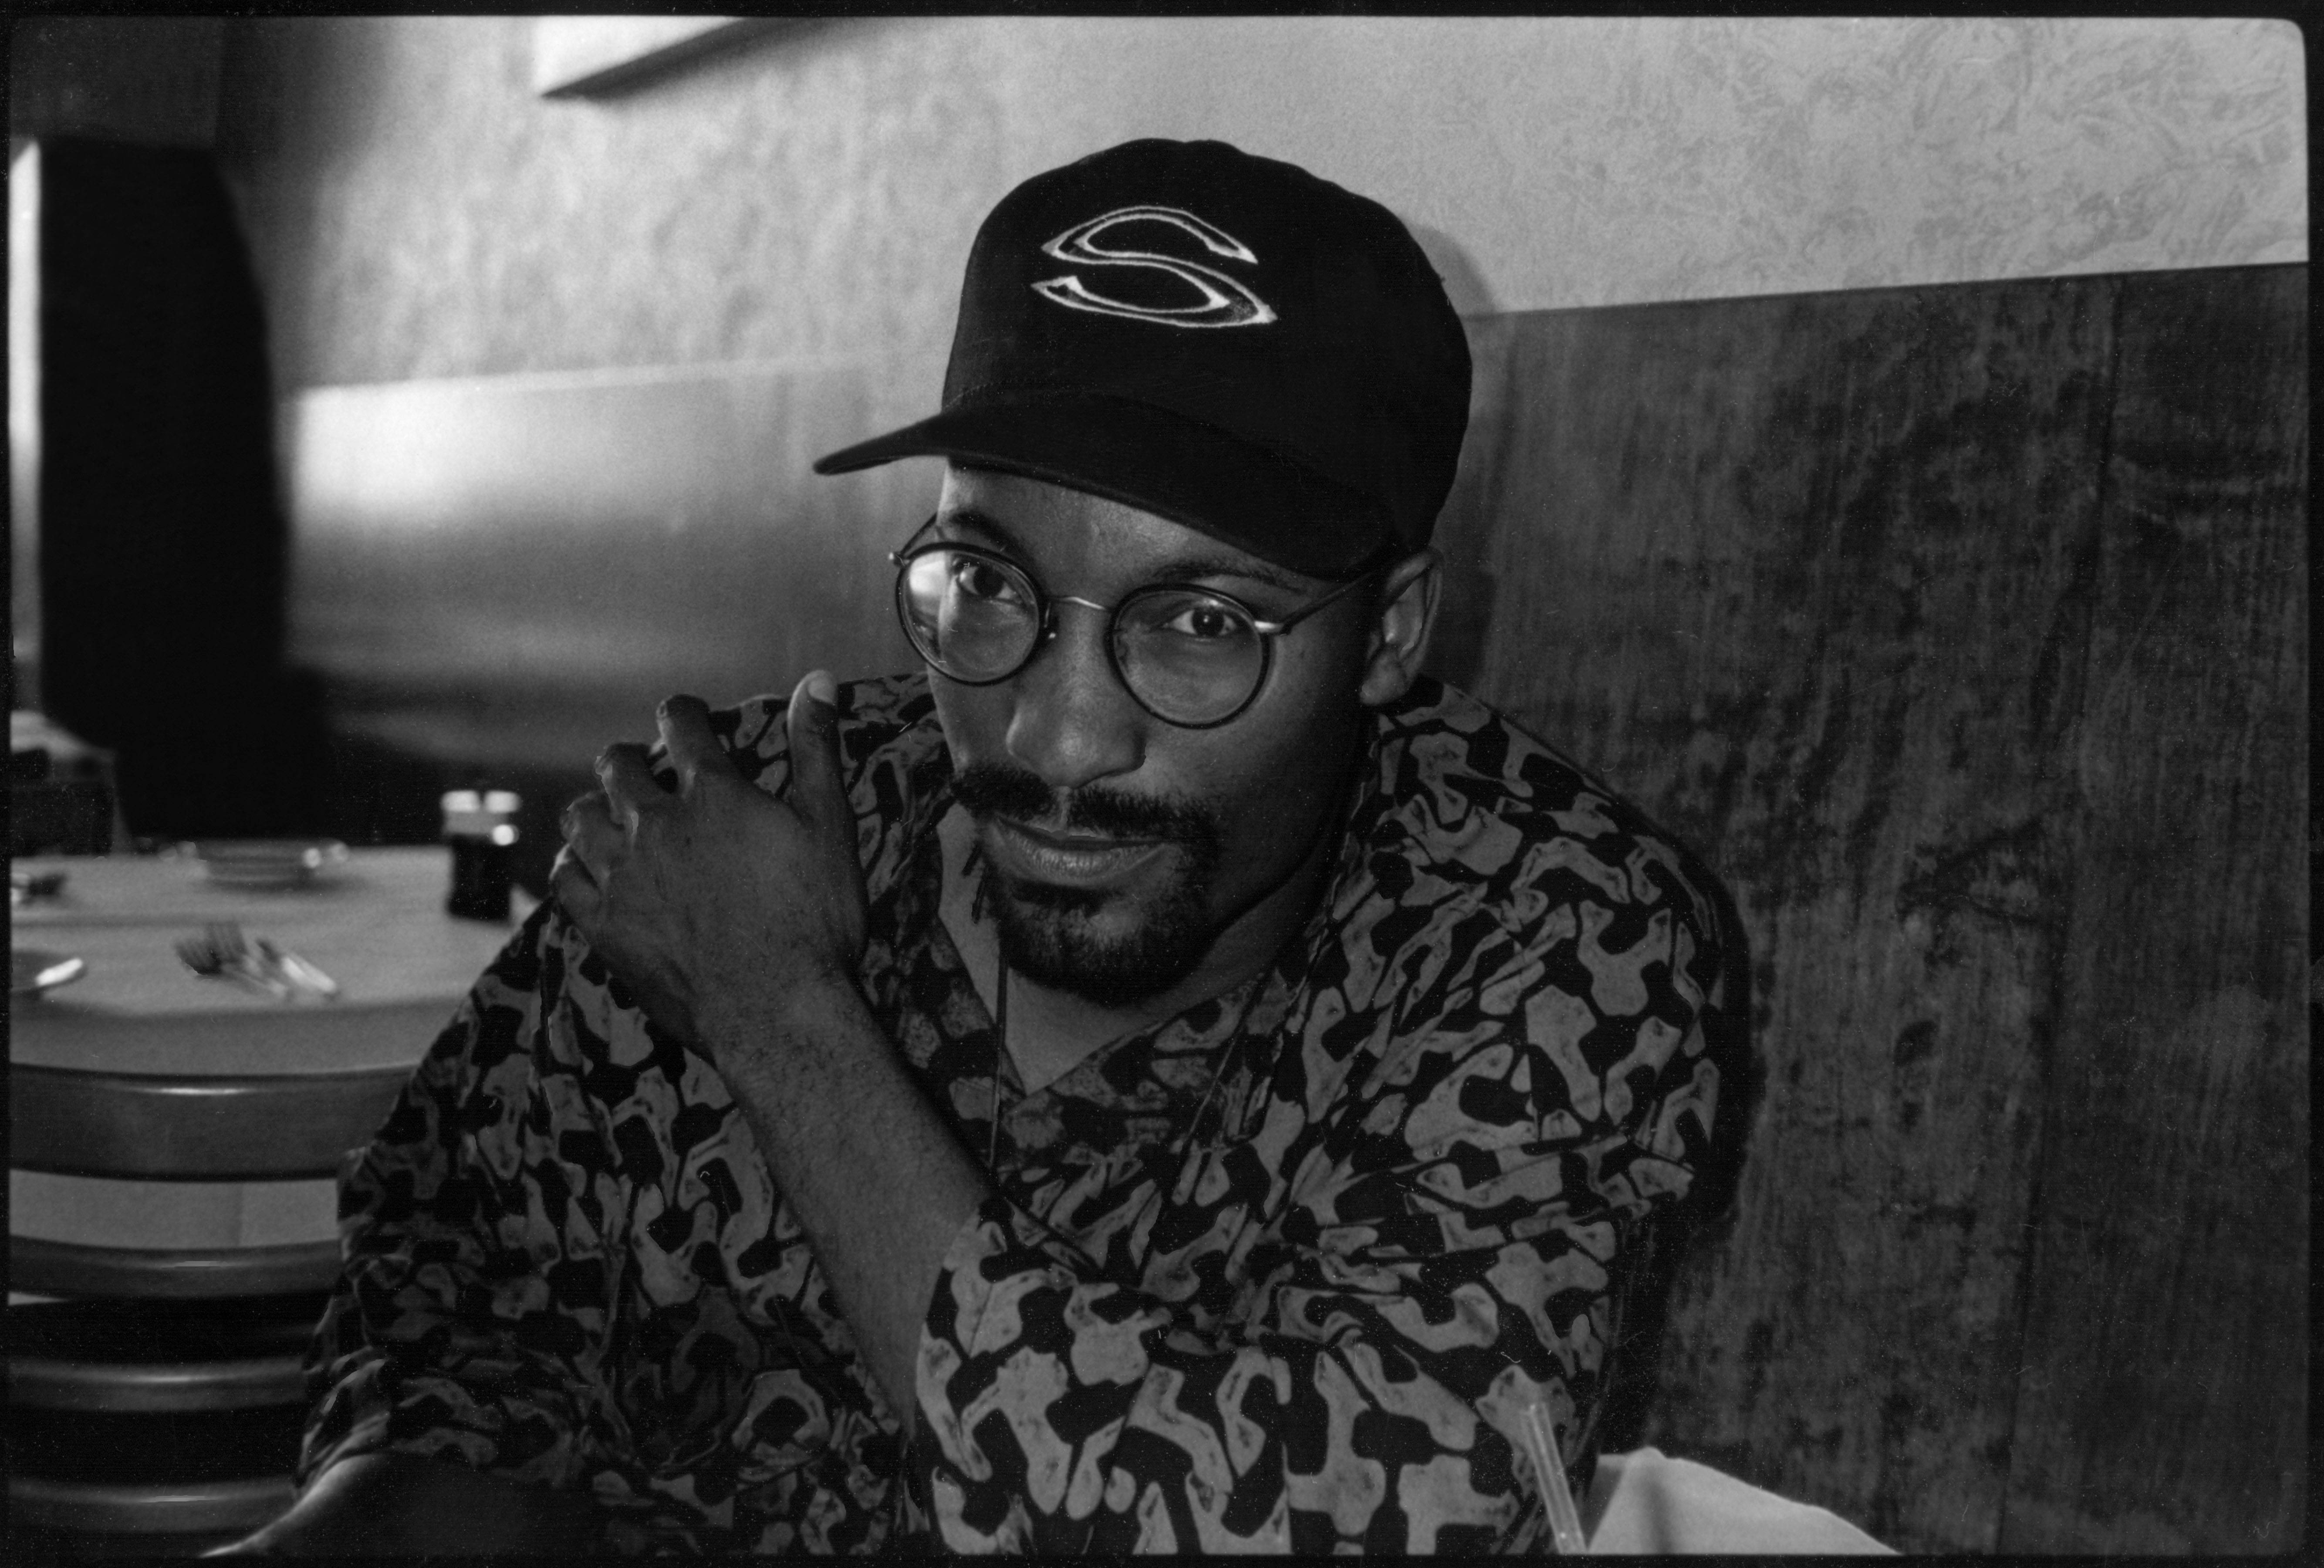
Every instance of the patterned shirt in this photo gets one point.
(1285, 1271)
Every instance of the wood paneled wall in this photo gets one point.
(1962, 629)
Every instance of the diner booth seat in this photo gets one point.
(155, 1396)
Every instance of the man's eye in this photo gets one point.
(1207, 622)
(978, 579)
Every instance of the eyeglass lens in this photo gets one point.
(1191, 657)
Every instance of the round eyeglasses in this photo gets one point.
(1192, 657)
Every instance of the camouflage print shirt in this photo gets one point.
(1283, 1272)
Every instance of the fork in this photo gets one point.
(221, 951)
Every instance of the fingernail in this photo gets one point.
(822, 689)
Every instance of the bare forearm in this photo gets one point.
(876, 1179)
(396, 1505)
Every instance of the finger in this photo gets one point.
(583, 813)
(594, 835)
(574, 889)
(627, 774)
(687, 736)
(817, 792)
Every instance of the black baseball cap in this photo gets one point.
(1221, 339)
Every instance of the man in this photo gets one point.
(1166, 1076)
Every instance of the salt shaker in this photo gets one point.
(478, 826)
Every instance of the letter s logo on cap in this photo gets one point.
(1225, 302)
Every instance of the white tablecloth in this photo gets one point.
(376, 924)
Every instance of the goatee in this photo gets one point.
(1109, 947)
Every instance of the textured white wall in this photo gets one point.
(1602, 160)
(418, 211)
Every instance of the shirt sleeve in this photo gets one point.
(1453, 1252)
(481, 1235)
(486, 1307)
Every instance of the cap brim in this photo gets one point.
(1150, 458)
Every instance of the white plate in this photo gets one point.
(31, 972)
(268, 862)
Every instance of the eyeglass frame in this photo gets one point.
(1046, 631)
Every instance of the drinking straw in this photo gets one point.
(1564, 1522)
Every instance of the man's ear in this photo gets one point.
(1400, 627)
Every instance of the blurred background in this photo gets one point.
(1888, 464)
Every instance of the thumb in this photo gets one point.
(817, 792)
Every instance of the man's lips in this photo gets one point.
(1068, 859)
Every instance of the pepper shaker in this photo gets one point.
(479, 826)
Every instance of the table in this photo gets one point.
(376, 924)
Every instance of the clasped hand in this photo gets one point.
(715, 902)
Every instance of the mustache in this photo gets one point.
(995, 789)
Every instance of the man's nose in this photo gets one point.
(1074, 722)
